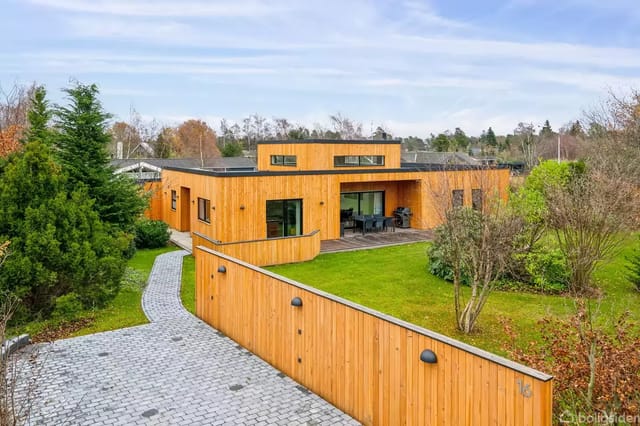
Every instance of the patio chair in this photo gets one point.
(389, 222)
(367, 225)
(378, 223)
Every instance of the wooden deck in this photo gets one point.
(357, 241)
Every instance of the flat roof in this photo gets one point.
(333, 141)
(406, 169)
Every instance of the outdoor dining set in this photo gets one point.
(373, 223)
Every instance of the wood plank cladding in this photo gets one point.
(155, 193)
(364, 362)
(238, 203)
(274, 251)
(320, 156)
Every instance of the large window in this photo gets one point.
(457, 198)
(361, 203)
(174, 199)
(204, 210)
(283, 160)
(358, 160)
(284, 218)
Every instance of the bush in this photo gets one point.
(634, 270)
(548, 271)
(439, 267)
(152, 234)
(594, 371)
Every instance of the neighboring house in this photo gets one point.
(300, 190)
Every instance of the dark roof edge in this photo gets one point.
(416, 168)
(523, 369)
(333, 141)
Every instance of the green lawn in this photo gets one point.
(188, 288)
(124, 311)
(395, 280)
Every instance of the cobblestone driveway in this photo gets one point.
(175, 370)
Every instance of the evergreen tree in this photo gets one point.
(461, 140)
(82, 151)
(546, 131)
(58, 243)
(440, 143)
(490, 138)
(39, 117)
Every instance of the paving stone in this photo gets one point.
(176, 370)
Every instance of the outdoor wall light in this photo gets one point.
(296, 301)
(222, 269)
(322, 203)
(428, 356)
(242, 207)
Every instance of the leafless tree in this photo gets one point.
(526, 135)
(14, 105)
(345, 127)
(18, 373)
(477, 241)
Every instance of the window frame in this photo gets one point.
(477, 199)
(284, 160)
(358, 160)
(206, 209)
(285, 221)
(457, 194)
(174, 199)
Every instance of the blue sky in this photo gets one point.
(417, 67)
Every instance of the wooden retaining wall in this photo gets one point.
(271, 251)
(362, 361)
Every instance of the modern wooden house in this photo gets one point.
(303, 192)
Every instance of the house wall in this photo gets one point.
(319, 156)
(364, 362)
(238, 203)
(156, 200)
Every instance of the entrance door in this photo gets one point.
(185, 209)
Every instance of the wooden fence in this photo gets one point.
(271, 251)
(366, 363)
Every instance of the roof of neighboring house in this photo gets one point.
(441, 158)
(222, 163)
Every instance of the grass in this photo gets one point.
(125, 310)
(395, 280)
(188, 287)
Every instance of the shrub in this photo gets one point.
(548, 271)
(595, 371)
(634, 270)
(439, 267)
(152, 234)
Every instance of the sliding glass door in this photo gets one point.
(362, 203)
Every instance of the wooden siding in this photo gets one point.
(238, 203)
(316, 156)
(155, 209)
(273, 251)
(364, 362)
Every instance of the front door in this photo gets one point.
(185, 209)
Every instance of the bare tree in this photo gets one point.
(476, 241)
(345, 127)
(590, 216)
(14, 105)
(528, 139)
(17, 373)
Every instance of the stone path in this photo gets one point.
(174, 371)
